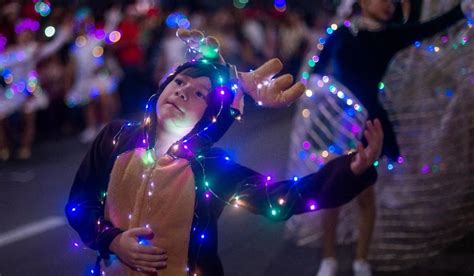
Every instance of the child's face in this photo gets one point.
(183, 101)
(380, 10)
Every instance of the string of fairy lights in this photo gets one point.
(148, 157)
(238, 200)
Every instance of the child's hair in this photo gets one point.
(218, 116)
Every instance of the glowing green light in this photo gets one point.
(9, 94)
(305, 75)
(238, 4)
(209, 51)
(274, 212)
(207, 184)
(376, 163)
(147, 158)
(311, 63)
(381, 85)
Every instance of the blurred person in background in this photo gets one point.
(22, 92)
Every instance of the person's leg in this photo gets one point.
(328, 266)
(28, 135)
(366, 202)
(4, 151)
(90, 116)
(108, 108)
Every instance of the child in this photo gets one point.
(151, 194)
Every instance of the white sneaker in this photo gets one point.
(88, 135)
(328, 267)
(361, 268)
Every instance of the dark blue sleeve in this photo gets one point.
(401, 36)
(85, 206)
(322, 67)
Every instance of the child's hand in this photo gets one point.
(269, 92)
(365, 157)
(140, 258)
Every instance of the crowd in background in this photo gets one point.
(134, 47)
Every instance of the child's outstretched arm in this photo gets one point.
(337, 183)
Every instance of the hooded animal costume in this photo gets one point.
(181, 194)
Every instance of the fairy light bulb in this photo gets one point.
(281, 201)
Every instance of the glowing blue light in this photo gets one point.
(417, 44)
(448, 93)
(73, 209)
(390, 166)
(295, 178)
(332, 149)
(203, 236)
(329, 31)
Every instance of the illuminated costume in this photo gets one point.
(181, 195)
(429, 187)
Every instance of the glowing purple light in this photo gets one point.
(27, 25)
(76, 244)
(425, 169)
(355, 129)
(306, 145)
(400, 160)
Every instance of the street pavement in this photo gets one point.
(36, 240)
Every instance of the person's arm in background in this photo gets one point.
(401, 36)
